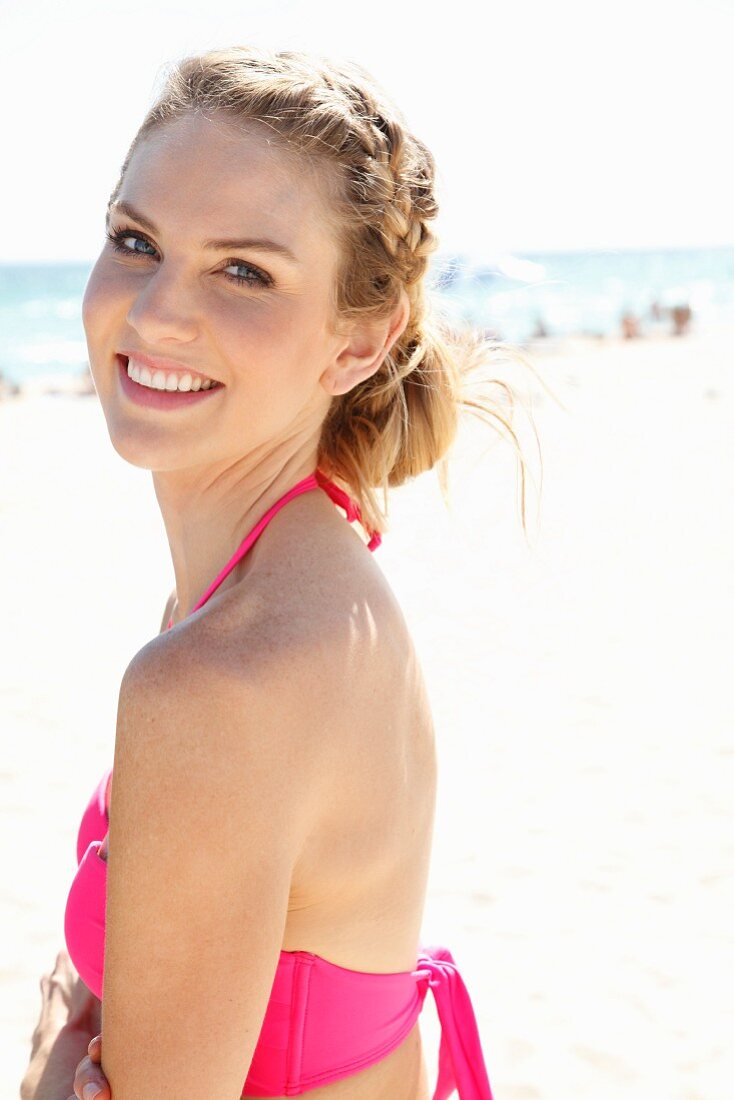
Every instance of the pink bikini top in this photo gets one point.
(323, 1022)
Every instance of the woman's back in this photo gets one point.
(310, 596)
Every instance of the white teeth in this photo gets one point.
(167, 380)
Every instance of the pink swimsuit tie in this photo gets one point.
(323, 1022)
(460, 1058)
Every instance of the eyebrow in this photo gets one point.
(263, 244)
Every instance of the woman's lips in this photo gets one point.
(159, 399)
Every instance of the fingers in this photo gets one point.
(88, 1078)
(94, 1050)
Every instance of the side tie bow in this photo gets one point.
(460, 1058)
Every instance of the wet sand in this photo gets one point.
(584, 845)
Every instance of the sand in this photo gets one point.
(580, 683)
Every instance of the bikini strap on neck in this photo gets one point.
(350, 506)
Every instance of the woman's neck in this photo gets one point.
(207, 517)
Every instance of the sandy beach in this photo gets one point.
(583, 869)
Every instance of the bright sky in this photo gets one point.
(561, 125)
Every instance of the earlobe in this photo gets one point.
(366, 349)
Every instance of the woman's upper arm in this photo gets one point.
(215, 792)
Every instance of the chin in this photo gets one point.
(144, 447)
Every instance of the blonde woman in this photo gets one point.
(251, 884)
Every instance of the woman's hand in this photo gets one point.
(89, 1080)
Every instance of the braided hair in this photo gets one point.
(380, 180)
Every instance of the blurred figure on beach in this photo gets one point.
(630, 326)
(681, 317)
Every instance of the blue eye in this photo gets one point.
(255, 278)
(118, 238)
(259, 276)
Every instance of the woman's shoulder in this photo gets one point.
(217, 692)
(288, 631)
(325, 602)
(311, 622)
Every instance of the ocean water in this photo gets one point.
(41, 332)
(589, 292)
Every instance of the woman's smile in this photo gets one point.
(148, 369)
(178, 307)
(161, 389)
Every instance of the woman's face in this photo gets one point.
(253, 319)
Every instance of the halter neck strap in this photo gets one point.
(316, 480)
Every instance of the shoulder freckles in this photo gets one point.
(223, 756)
(215, 696)
(320, 612)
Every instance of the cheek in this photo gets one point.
(265, 339)
(290, 333)
(101, 301)
(278, 352)
(97, 317)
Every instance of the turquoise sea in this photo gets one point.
(512, 296)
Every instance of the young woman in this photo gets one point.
(253, 879)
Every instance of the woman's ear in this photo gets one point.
(367, 345)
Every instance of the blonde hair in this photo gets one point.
(380, 179)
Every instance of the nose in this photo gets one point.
(163, 309)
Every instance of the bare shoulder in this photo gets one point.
(227, 749)
(317, 612)
(203, 676)
(333, 595)
(326, 631)
(309, 646)
(288, 641)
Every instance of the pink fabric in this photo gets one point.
(460, 1058)
(95, 819)
(323, 1022)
